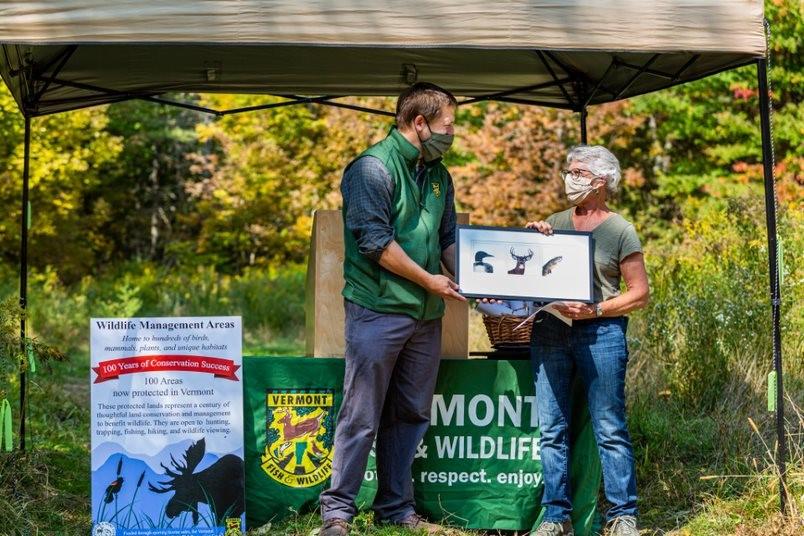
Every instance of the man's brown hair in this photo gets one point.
(422, 98)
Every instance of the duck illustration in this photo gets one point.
(480, 265)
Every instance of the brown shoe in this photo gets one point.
(417, 522)
(334, 527)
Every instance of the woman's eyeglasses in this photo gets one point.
(576, 174)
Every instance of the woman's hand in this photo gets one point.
(541, 226)
(490, 300)
(575, 310)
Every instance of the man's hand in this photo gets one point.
(575, 310)
(394, 259)
(443, 286)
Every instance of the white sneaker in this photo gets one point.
(623, 526)
(549, 528)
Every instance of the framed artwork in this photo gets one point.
(524, 264)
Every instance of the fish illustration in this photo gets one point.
(549, 265)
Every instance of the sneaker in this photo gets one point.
(334, 527)
(623, 526)
(548, 528)
(416, 522)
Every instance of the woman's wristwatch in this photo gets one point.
(598, 309)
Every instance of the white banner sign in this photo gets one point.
(167, 426)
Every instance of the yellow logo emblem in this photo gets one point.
(436, 189)
(233, 527)
(299, 436)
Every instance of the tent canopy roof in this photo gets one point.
(70, 54)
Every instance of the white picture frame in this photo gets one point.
(524, 264)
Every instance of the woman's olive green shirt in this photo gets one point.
(614, 239)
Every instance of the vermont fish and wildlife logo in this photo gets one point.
(233, 527)
(436, 189)
(104, 528)
(300, 431)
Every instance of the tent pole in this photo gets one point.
(773, 269)
(583, 125)
(24, 272)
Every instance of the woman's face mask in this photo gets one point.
(436, 145)
(578, 187)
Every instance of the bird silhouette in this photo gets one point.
(116, 485)
(480, 265)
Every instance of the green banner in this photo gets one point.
(479, 465)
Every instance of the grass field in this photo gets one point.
(693, 472)
(704, 440)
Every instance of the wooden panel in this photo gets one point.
(455, 328)
(324, 317)
(324, 303)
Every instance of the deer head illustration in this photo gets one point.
(519, 269)
(220, 485)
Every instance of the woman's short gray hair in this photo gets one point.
(600, 162)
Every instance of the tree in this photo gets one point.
(146, 187)
(704, 138)
(69, 153)
(265, 175)
(508, 159)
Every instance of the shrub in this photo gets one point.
(271, 301)
(710, 306)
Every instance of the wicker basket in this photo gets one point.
(501, 330)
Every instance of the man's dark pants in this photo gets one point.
(391, 368)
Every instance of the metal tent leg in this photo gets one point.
(24, 272)
(773, 268)
(583, 125)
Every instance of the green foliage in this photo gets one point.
(45, 490)
(711, 474)
(68, 155)
(709, 304)
(702, 139)
(14, 348)
(271, 301)
(265, 175)
(146, 186)
(57, 310)
(142, 210)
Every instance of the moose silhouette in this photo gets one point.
(519, 269)
(220, 485)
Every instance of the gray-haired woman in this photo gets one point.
(594, 346)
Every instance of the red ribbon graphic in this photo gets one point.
(114, 368)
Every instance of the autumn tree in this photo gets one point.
(70, 155)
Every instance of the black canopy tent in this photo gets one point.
(567, 54)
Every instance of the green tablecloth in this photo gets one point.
(478, 466)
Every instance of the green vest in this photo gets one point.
(416, 218)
